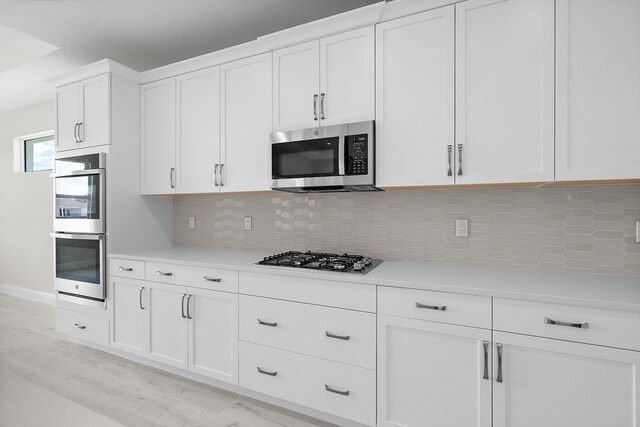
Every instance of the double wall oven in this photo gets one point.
(79, 228)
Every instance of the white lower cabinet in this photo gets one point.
(342, 390)
(189, 328)
(554, 383)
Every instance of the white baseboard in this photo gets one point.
(30, 294)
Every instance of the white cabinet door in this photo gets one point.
(245, 120)
(415, 110)
(597, 89)
(67, 116)
(158, 137)
(130, 322)
(168, 324)
(557, 383)
(504, 91)
(95, 121)
(295, 87)
(213, 334)
(198, 131)
(347, 77)
(433, 374)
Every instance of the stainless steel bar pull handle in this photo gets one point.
(182, 306)
(80, 326)
(212, 279)
(584, 325)
(215, 175)
(460, 159)
(338, 337)
(189, 306)
(322, 95)
(140, 299)
(449, 159)
(315, 106)
(272, 324)
(499, 376)
(333, 390)
(162, 273)
(432, 307)
(222, 175)
(485, 345)
(271, 374)
(172, 173)
(126, 268)
(75, 133)
(80, 126)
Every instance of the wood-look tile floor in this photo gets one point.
(46, 380)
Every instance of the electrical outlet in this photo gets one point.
(192, 222)
(462, 227)
(247, 223)
(637, 231)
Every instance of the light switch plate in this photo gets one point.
(637, 231)
(247, 223)
(462, 227)
(192, 222)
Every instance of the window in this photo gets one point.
(34, 152)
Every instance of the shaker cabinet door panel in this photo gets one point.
(245, 124)
(598, 89)
(168, 325)
(432, 374)
(198, 131)
(504, 91)
(415, 110)
(67, 117)
(295, 87)
(213, 334)
(347, 77)
(555, 383)
(158, 137)
(129, 330)
(95, 128)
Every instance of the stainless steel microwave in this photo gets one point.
(324, 159)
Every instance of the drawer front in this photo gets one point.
(467, 310)
(354, 296)
(330, 333)
(83, 326)
(605, 327)
(205, 278)
(304, 380)
(126, 268)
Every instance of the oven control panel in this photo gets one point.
(356, 154)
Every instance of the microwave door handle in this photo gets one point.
(341, 159)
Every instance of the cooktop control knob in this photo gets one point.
(358, 266)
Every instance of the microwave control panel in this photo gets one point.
(357, 156)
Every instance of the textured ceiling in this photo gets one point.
(145, 34)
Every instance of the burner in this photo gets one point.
(322, 261)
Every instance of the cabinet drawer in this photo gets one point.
(605, 327)
(468, 310)
(330, 333)
(83, 326)
(304, 380)
(126, 268)
(206, 278)
(354, 296)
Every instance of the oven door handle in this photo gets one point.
(77, 236)
(78, 173)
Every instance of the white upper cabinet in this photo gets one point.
(347, 77)
(324, 82)
(198, 131)
(415, 106)
(245, 124)
(295, 86)
(83, 113)
(159, 137)
(504, 91)
(597, 89)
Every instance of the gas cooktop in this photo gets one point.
(344, 263)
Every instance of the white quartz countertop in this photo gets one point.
(621, 293)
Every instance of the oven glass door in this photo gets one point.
(306, 159)
(79, 202)
(80, 264)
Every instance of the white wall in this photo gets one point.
(26, 249)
